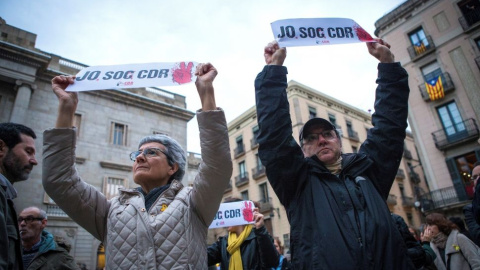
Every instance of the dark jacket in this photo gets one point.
(51, 256)
(337, 222)
(414, 250)
(258, 251)
(472, 225)
(10, 245)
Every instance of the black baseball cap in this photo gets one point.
(315, 122)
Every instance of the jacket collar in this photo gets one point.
(353, 164)
(10, 191)
(170, 193)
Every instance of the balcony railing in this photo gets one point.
(440, 198)
(417, 52)
(400, 174)
(408, 201)
(470, 20)
(265, 205)
(229, 187)
(477, 60)
(447, 83)
(454, 135)
(55, 211)
(414, 177)
(392, 199)
(353, 135)
(253, 143)
(407, 153)
(241, 179)
(258, 172)
(240, 150)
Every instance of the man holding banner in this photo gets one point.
(161, 224)
(335, 202)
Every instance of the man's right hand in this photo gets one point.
(274, 55)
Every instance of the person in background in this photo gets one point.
(40, 250)
(470, 219)
(414, 250)
(17, 158)
(161, 224)
(453, 249)
(283, 264)
(245, 247)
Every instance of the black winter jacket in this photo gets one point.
(337, 222)
(414, 250)
(472, 225)
(258, 251)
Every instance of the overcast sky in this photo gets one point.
(229, 34)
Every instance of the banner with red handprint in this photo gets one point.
(133, 76)
(319, 31)
(233, 214)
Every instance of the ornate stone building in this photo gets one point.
(438, 43)
(110, 123)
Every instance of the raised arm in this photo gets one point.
(216, 167)
(278, 150)
(384, 144)
(81, 201)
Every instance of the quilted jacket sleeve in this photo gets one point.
(81, 201)
(278, 150)
(384, 143)
(216, 167)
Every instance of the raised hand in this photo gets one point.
(248, 212)
(67, 101)
(259, 219)
(182, 74)
(381, 51)
(206, 73)
(274, 55)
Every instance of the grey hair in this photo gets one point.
(41, 212)
(174, 150)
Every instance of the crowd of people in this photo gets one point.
(335, 201)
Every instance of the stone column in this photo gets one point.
(22, 101)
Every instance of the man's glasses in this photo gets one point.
(313, 137)
(475, 177)
(28, 219)
(149, 153)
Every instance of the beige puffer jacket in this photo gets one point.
(174, 238)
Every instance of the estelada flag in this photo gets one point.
(435, 88)
(419, 48)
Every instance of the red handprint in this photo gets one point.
(182, 74)
(361, 33)
(248, 212)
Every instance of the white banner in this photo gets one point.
(133, 76)
(319, 31)
(233, 214)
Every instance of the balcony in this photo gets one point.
(54, 210)
(229, 187)
(353, 135)
(477, 60)
(239, 151)
(400, 174)
(258, 172)
(447, 83)
(265, 205)
(462, 132)
(392, 200)
(414, 177)
(417, 52)
(470, 20)
(441, 198)
(408, 201)
(253, 143)
(241, 179)
(407, 154)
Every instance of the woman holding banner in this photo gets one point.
(245, 246)
(161, 224)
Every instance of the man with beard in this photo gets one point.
(17, 158)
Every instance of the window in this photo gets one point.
(451, 120)
(255, 132)
(432, 71)
(402, 190)
(263, 192)
(77, 122)
(111, 186)
(259, 161)
(244, 195)
(354, 149)
(118, 134)
(312, 112)
(470, 10)
(419, 41)
(242, 169)
(239, 141)
(410, 219)
(477, 42)
(286, 240)
(4, 35)
(332, 119)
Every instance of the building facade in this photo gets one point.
(109, 123)
(438, 43)
(250, 182)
